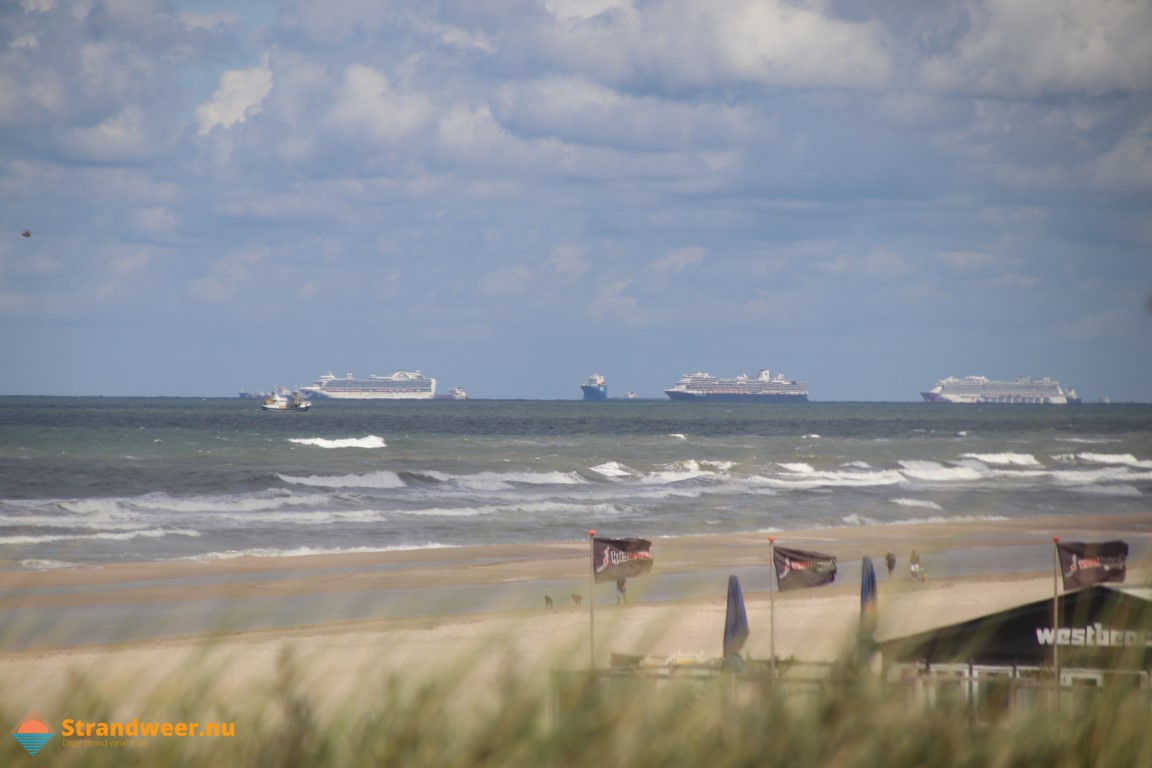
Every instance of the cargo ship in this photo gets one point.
(594, 388)
(761, 389)
(980, 390)
(401, 385)
(456, 394)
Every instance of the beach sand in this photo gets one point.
(355, 619)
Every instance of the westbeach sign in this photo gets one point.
(1096, 635)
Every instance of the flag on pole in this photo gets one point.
(796, 568)
(1083, 564)
(614, 559)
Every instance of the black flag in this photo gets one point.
(614, 559)
(1084, 564)
(796, 568)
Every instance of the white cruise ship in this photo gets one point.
(979, 389)
(402, 385)
(764, 388)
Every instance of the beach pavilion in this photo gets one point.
(1102, 638)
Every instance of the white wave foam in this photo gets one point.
(804, 477)
(857, 519)
(381, 479)
(144, 533)
(679, 472)
(96, 509)
(613, 469)
(46, 565)
(939, 519)
(1105, 474)
(1014, 459)
(1115, 458)
(318, 517)
(503, 481)
(162, 502)
(678, 436)
(232, 554)
(370, 441)
(922, 503)
(935, 472)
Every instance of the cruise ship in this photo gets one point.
(402, 385)
(762, 389)
(594, 388)
(979, 389)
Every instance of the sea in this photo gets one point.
(94, 480)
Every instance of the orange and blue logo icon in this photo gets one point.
(33, 733)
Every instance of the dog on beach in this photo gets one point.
(547, 601)
(577, 599)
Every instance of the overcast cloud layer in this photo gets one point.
(513, 194)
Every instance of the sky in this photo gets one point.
(512, 195)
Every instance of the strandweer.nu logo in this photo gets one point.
(33, 733)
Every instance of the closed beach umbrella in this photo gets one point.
(868, 603)
(735, 627)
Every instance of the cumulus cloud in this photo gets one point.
(122, 137)
(367, 106)
(237, 97)
(683, 44)
(1035, 47)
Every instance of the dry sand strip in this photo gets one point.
(338, 656)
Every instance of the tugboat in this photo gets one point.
(280, 401)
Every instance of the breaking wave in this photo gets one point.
(370, 441)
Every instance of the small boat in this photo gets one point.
(279, 401)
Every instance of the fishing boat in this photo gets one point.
(281, 401)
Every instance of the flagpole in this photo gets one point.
(1056, 614)
(591, 599)
(772, 603)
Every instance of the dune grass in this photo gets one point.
(520, 717)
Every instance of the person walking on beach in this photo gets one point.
(914, 566)
(620, 596)
(890, 561)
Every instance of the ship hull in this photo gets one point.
(936, 397)
(594, 392)
(727, 397)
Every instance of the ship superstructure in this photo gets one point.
(764, 388)
(401, 385)
(980, 389)
(595, 388)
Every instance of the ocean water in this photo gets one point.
(96, 480)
